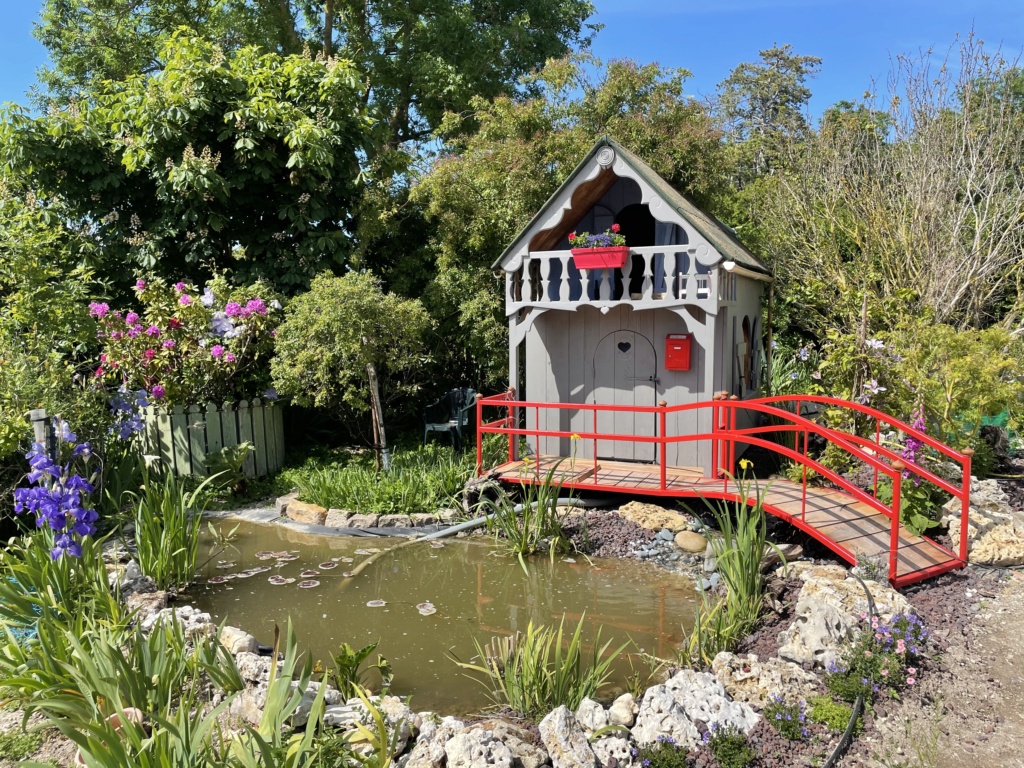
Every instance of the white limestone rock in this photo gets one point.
(623, 711)
(995, 530)
(565, 741)
(618, 747)
(752, 681)
(429, 750)
(238, 641)
(301, 715)
(477, 749)
(591, 715)
(672, 709)
(195, 624)
(816, 634)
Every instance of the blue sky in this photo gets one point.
(709, 37)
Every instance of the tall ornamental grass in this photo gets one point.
(167, 521)
(543, 669)
(721, 622)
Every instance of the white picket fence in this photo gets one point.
(182, 438)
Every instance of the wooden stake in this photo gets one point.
(378, 418)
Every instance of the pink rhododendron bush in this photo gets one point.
(185, 344)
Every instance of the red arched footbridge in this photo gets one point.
(850, 519)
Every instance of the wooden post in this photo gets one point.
(197, 440)
(768, 349)
(965, 503)
(894, 536)
(42, 431)
(378, 418)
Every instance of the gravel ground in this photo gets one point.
(606, 534)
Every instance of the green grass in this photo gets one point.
(421, 480)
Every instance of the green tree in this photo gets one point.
(340, 334)
(488, 184)
(247, 162)
(91, 41)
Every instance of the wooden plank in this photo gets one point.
(214, 440)
(270, 424)
(259, 438)
(166, 444)
(197, 440)
(245, 435)
(229, 425)
(179, 440)
(279, 433)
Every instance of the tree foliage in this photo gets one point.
(334, 330)
(247, 162)
(490, 183)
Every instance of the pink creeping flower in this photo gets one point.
(232, 309)
(900, 646)
(158, 392)
(180, 287)
(153, 331)
(867, 654)
(100, 372)
(149, 354)
(911, 670)
(140, 284)
(131, 318)
(229, 357)
(256, 306)
(169, 344)
(185, 300)
(98, 309)
(911, 681)
(103, 358)
(885, 673)
(216, 351)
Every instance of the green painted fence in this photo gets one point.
(182, 437)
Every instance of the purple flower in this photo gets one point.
(140, 284)
(149, 354)
(131, 318)
(115, 335)
(229, 357)
(256, 306)
(232, 309)
(207, 298)
(804, 353)
(270, 394)
(184, 300)
(180, 287)
(158, 392)
(153, 331)
(216, 351)
(169, 344)
(221, 325)
(135, 330)
(874, 344)
(98, 309)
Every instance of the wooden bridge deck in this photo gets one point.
(851, 528)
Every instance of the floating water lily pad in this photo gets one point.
(287, 558)
(348, 574)
(336, 559)
(244, 575)
(223, 565)
(373, 550)
(426, 609)
(230, 576)
(282, 553)
(436, 544)
(216, 580)
(258, 569)
(264, 555)
(327, 566)
(309, 584)
(309, 574)
(347, 560)
(289, 580)
(363, 552)
(277, 580)
(376, 604)
(568, 560)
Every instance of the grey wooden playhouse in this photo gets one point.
(679, 322)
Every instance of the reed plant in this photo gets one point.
(542, 669)
(721, 622)
(168, 518)
(532, 525)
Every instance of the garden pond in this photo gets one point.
(427, 601)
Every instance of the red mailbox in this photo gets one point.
(677, 351)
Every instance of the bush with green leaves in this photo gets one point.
(883, 657)
(833, 714)
(663, 753)
(540, 670)
(348, 675)
(790, 720)
(17, 745)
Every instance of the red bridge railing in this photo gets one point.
(779, 415)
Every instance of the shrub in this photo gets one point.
(833, 714)
(183, 346)
(788, 719)
(881, 658)
(347, 675)
(537, 672)
(664, 753)
(729, 746)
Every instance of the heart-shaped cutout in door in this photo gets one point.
(624, 346)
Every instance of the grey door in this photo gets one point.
(624, 372)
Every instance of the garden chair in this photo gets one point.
(450, 414)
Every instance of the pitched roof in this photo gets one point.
(720, 236)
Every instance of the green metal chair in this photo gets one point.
(450, 414)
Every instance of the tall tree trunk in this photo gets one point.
(328, 27)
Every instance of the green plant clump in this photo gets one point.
(664, 753)
(729, 746)
(790, 720)
(833, 714)
(882, 657)
(537, 672)
(19, 745)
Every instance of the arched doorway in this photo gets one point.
(624, 371)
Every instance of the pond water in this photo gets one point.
(474, 589)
